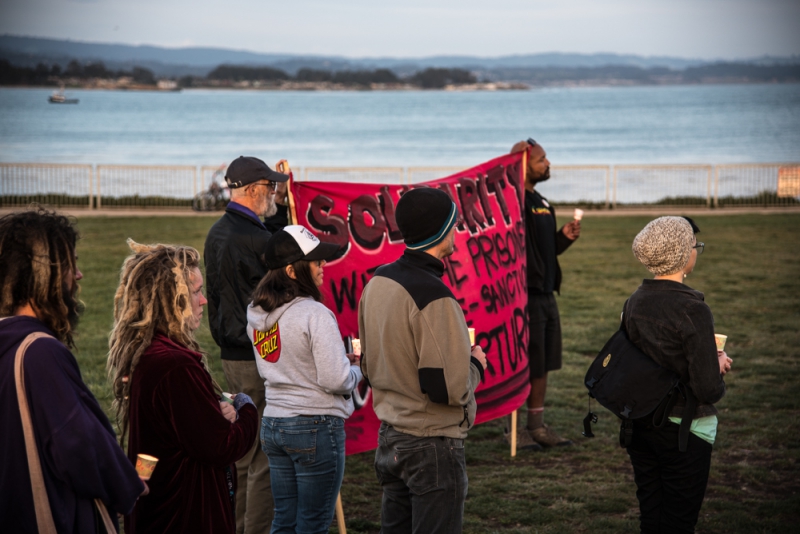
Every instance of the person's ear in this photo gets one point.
(290, 272)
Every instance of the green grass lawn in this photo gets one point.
(750, 274)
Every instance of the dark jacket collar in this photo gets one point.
(424, 261)
(242, 211)
(651, 284)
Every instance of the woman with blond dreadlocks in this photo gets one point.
(167, 400)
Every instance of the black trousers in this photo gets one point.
(670, 484)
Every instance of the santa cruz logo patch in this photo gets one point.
(268, 344)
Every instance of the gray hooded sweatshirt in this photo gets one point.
(301, 357)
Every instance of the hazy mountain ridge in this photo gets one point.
(32, 50)
(544, 69)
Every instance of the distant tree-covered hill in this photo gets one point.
(44, 57)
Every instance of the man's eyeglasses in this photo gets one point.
(269, 184)
(699, 246)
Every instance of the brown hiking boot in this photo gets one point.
(547, 437)
(524, 441)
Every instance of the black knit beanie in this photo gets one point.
(425, 216)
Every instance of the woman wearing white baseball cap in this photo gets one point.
(308, 378)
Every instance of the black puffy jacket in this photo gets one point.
(234, 267)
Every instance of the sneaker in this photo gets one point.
(548, 437)
(524, 441)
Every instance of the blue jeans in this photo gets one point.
(306, 460)
(424, 483)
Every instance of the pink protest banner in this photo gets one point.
(486, 272)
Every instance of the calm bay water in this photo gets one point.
(684, 124)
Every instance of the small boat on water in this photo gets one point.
(58, 97)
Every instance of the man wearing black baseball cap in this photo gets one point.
(233, 269)
(423, 372)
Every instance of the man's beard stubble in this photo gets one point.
(544, 177)
(74, 306)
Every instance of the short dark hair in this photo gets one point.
(38, 250)
(277, 288)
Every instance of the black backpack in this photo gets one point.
(633, 386)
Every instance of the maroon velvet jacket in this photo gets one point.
(175, 416)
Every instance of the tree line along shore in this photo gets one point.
(95, 75)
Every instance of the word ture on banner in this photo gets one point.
(486, 273)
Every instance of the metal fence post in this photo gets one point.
(99, 195)
(91, 174)
(608, 186)
(708, 191)
(614, 197)
(716, 186)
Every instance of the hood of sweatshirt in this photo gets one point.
(260, 320)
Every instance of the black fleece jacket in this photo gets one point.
(671, 323)
(234, 268)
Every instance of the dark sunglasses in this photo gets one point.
(531, 142)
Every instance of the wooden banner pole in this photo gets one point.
(340, 515)
(513, 433)
(292, 211)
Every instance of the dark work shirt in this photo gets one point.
(541, 227)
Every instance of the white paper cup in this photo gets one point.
(356, 346)
(578, 214)
(145, 465)
(720, 339)
(227, 397)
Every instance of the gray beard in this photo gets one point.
(271, 209)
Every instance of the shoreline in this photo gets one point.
(329, 87)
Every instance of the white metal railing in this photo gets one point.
(661, 184)
(579, 184)
(127, 186)
(601, 186)
(765, 184)
(51, 184)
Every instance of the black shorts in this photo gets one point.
(544, 345)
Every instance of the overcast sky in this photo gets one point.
(703, 29)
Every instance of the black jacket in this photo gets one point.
(671, 323)
(536, 264)
(234, 267)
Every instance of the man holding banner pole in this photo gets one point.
(417, 358)
(543, 244)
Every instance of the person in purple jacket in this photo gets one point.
(79, 454)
